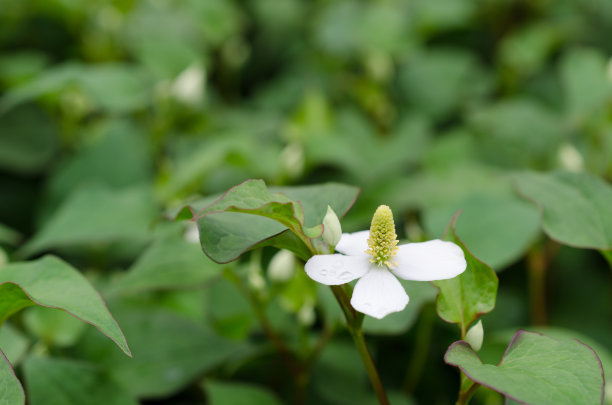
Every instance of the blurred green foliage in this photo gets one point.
(114, 114)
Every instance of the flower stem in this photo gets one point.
(368, 362)
(465, 393)
(354, 322)
(538, 262)
(277, 342)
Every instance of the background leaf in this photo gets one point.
(498, 229)
(50, 282)
(190, 349)
(10, 387)
(575, 207)
(53, 381)
(170, 262)
(94, 215)
(221, 393)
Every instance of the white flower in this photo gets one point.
(373, 258)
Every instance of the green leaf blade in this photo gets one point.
(250, 215)
(575, 207)
(50, 282)
(239, 394)
(536, 369)
(11, 391)
(54, 381)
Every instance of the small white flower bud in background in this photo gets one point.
(255, 277)
(475, 335)
(292, 159)
(306, 314)
(282, 266)
(192, 235)
(189, 86)
(570, 158)
(332, 231)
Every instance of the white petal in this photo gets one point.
(427, 261)
(336, 269)
(354, 244)
(379, 293)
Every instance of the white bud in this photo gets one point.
(292, 159)
(306, 314)
(255, 278)
(188, 87)
(570, 158)
(282, 266)
(332, 231)
(474, 336)
(192, 234)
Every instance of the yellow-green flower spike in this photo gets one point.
(383, 241)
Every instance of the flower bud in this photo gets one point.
(292, 159)
(332, 231)
(474, 336)
(306, 314)
(281, 266)
(189, 86)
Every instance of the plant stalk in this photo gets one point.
(466, 394)
(354, 322)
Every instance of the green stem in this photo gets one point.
(368, 362)
(536, 271)
(466, 393)
(354, 322)
(607, 254)
(278, 343)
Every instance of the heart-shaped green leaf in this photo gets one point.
(251, 215)
(536, 369)
(575, 207)
(464, 298)
(50, 282)
(10, 387)
(52, 381)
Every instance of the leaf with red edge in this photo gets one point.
(251, 215)
(537, 369)
(11, 391)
